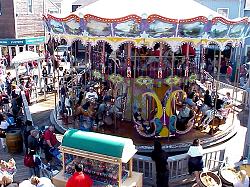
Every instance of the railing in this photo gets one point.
(221, 85)
(178, 165)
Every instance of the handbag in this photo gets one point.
(29, 161)
(2, 133)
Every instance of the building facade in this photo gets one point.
(21, 25)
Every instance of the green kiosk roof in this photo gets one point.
(113, 146)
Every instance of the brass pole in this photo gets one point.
(216, 87)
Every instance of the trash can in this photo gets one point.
(14, 141)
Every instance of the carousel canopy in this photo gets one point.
(26, 56)
(122, 148)
(145, 22)
(177, 9)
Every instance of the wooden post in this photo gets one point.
(63, 161)
(120, 174)
(130, 167)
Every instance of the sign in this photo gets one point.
(12, 42)
(28, 41)
(37, 40)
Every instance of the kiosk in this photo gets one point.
(106, 159)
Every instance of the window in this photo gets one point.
(74, 7)
(223, 11)
(30, 6)
(247, 5)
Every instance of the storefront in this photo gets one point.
(10, 47)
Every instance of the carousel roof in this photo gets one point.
(176, 9)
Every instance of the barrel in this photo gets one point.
(14, 141)
(209, 179)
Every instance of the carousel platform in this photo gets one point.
(178, 143)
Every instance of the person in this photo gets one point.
(189, 99)
(35, 75)
(8, 82)
(3, 128)
(26, 132)
(160, 157)
(91, 94)
(79, 179)
(51, 142)
(72, 60)
(219, 103)
(36, 181)
(227, 99)
(45, 75)
(49, 63)
(139, 118)
(33, 149)
(183, 117)
(68, 105)
(7, 181)
(208, 99)
(195, 162)
(229, 72)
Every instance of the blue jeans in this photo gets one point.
(34, 171)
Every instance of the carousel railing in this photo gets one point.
(239, 96)
(178, 165)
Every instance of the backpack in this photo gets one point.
(28, 161)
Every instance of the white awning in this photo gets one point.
(26, 56)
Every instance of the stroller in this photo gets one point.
(57, 155)
(48, 171)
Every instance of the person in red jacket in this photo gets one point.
(79, 179)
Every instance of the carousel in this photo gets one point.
(149, 65)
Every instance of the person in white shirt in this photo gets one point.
(68, 106)
(3, 127)
(37, 182)
(195, 162)
(91, 94)
(227, 100)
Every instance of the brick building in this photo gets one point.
(21, 25)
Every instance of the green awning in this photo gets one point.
(117, 147)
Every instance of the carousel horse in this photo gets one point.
(105, 114)
(185, 125)
(211, 114)
(86, 114)
(120, 105)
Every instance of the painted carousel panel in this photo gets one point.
(127, 29)
(72, 27)
(192, 30)
(159, 29)
(57, 27)
(95, 28)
